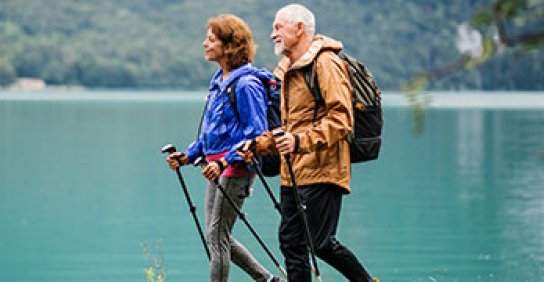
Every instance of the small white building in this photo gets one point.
(25, 83)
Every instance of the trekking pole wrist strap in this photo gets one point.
(221, 165)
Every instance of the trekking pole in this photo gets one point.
(202, 162)
(255, 164)
(169, 148)
(302, 211)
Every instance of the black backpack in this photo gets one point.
(270, 163)
(365, 139)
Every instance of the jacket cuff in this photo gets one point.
(264, 144)
(190, 157)
(231, 157)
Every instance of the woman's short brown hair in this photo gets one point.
(236, 37)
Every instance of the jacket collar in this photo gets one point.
(217, 80)
(319, 43)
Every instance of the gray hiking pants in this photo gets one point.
(220, 218)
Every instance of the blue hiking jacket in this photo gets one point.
(221, 130)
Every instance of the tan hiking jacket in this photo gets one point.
(322, 155)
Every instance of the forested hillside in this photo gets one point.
(157, 43)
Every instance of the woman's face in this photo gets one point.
(213, 47)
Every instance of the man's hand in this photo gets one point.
(285, 141)
(177, 159)
(213, 170)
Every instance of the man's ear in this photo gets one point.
(300, 29)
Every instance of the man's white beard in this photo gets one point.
(279, 48)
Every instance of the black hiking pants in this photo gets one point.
(323, 202)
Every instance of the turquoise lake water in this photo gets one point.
(83, 185)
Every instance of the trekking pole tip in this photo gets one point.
(283, 272)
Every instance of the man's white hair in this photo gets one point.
(295, 13)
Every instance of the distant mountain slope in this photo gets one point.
(157, 43)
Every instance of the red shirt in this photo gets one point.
(237, 169)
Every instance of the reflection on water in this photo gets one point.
(470, 150)
(501, 169)
(83, 184)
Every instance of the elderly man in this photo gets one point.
(315, 142)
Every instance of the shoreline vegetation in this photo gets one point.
(468, 99)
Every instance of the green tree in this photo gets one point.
(157, 43)
(7, 73)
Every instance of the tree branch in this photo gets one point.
(510, 41)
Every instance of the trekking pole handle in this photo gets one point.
(200, 161)
(240, 146)
(278, 133)
(168, 148)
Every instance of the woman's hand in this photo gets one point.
(245, 150)
(177, 159)
(213, 170)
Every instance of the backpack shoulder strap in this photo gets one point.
(231, 92)
(202, 119)
(310, 78)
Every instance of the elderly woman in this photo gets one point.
(229, 43)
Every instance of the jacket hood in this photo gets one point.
(243, 70)
(320, 43)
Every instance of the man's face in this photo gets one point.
(213, 47)
(284, 35)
